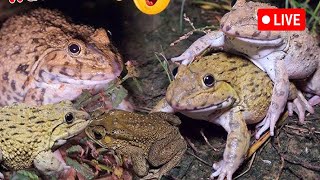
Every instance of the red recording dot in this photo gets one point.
(12, 1)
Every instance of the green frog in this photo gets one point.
(226, 90)
(151, 139)
(27, 134)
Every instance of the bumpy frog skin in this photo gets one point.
(46, 59)
(225, 90)
(283, 55)
(147, 139)
(27, 134)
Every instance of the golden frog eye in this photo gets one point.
(208, 80)
(74, 48)
(69, 118)
(97, 135)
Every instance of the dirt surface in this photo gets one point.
(292, 154)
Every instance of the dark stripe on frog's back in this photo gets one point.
(10, 112)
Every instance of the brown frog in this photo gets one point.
(44, 58)
(147, 139)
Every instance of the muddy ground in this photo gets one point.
(292, 154)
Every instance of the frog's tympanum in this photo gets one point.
(283, 55)
(27, 134)
(225, 90)
(147, 139)
(45, 59)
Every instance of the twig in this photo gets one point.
(181, 14)
(201, 160)
(164, 64)
(250, 165)
(282, 160)
(193, 147)
(205, 29)
(206, 139)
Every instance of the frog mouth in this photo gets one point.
(226, 103)
(51, 78)
(273, 42)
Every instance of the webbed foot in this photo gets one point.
(223, 169)
(299, 106)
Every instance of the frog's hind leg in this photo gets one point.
(313, 86)
(166, 152)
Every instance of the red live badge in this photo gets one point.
(282, 19)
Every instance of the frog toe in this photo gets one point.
(152, 174)
(264, 125)
(223, 170)
(314, 100)
(185, 58)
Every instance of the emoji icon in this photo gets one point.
(151, 6)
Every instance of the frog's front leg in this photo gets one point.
(138, 158)
(277, 71)
(212, 39)
(47, 163)
(237, 143)
(162, 106)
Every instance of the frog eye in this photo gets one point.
(74, 48)
(69, 118)
(175, 71)
(97, 135)
(208, 80)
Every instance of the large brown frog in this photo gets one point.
(44, 58)
(147, 139)
(223, 89)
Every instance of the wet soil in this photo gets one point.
(292, 154)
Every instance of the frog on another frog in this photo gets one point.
(226, 90)
(283, 55)
(27, 134)
(147, 139)
(44, 58)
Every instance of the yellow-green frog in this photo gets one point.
(148, 139)
(223, 89)
(27, 134)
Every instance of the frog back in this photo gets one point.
(24, 132)
(128, 129)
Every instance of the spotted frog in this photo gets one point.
(283, 55)
(147, 139)
(27, 134)
(44, 58)
(226, 90)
